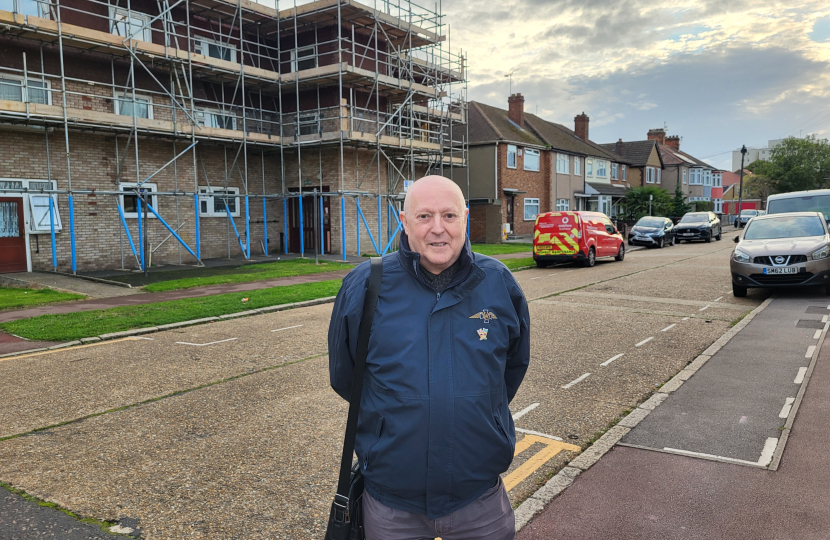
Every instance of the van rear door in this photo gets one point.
(557, 233)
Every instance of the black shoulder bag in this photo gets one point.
(346, 518)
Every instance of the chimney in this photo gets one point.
(658, 135)
(581, 126)
(619, 148)
(673, 141)
(516, 109)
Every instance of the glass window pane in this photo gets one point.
(9, 225)
(11, 89)
(36, 94)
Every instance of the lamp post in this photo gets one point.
(741, 187)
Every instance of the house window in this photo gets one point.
(707, 178)
(624, 172)
(214, 49)
(531, 160)
(605, 204)
(614, 171)
(718, 206)
(11, 89)
(130, 202)
(659, 179)
(309, 124)
(718, 180)
(696, 177)
(26, 7)
(562, 164)
(131, 24)
(304, 58)
(577, 166)
(215, 119)
(601, 168)
(212, 201)
(39, 221)
(589, 167)
(649, 175)
(531, 208)
(563, 205)
(141, 108)
(511, 156)
(684, 176)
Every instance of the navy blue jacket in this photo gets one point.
(434, 430)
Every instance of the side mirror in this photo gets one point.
(616, 231)
(737, 238)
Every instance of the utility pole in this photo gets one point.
(741, 187)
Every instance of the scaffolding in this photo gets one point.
(363, 96)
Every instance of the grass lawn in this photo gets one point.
(72, 326)
(501, 249)
(168, 280)
(14, 298)
(515, 264)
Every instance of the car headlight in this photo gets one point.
(740, 256)
(823, 253)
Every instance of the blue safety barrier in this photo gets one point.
(198, 241)
(322, 229)
(247, 230)
(52, 230)
(140, 241)
(265, 225)
(302, 227)
(343, 225)
(72, 235)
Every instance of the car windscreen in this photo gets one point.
(784, 227)
(650, 222)
(808, 203)
(749, 212)
(695, 218)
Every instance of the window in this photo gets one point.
(589, 167)
(605, 204)
(562, 163)
(624, 173)
(132, 24)
(141, 108)
(707, 178)
(309, 124)
(718, 206)
(130, 202)
(614, 171)
(531, 160)
(215, 119)
(212, 201)
(11, 88)
(39, 221)
(214, 49)
(659, 179)
(717, 180)
(601, 168)
(684, 176)
(511, 156)
(531, 208)
(563, 205)
(650, 175)
(696, 177)
(577, 166)
(26, 7)
(304, 58)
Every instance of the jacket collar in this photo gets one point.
(411, 261)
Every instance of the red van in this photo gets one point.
(575, 236)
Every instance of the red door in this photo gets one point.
(12, 236)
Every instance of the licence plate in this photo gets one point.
(640, 238)
(784, 270)
(687, 234)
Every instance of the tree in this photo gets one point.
(796, 165)
(635, 203)
(679, 204)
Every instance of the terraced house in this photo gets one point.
(138, 131)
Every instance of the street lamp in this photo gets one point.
(741, 187)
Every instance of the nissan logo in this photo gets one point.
(779, 260)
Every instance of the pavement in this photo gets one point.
(735, 452)
(230, 429)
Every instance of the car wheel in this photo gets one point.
(708, 238)
(591, 260)
(630, 243)
(621, 253)
(738, 291)
(661, 243)
(673, 240)
(542, 264)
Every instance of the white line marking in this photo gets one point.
(802, 371)
(206, 344)
(766, 453)
(785, 412)
(704, 308)
(644, 341)
(828, 307)
(540, 277)
(20, 337)
(817, 334)
(684, 319)
(701, 454)
(577, 380)
(824, 319)
(669, 327)
(531, 432)
(286, 328)
(810, 350)
(612, 359)
(147, 338)
(718, 299)
(524, 411)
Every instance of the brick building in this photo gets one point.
(226, 117)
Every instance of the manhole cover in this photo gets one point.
(807, 323)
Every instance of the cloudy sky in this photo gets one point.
(719, 73)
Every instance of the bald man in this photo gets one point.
(449, 347)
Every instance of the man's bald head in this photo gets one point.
(433, 184)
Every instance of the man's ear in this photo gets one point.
(404, 223)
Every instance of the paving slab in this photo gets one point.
(71, 284)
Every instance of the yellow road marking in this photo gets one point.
(74, 347)
(537, 460)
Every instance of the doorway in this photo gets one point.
(12, 236)
(511, 199)
(311, 222)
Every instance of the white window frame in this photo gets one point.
(707, 178)
(602, 168)
(615, 171)
(624, 173)
(295, 54)
(562, 163)
(718, 206)
(650, 175)
(563, 205)
(514, 151)
(532, 152)
(695, 177)
(530, 202)
(128, 98)
(205, 114)
(589, 167)
(25, 91)
(124, 17)
(604, 201)
(201, 45)
(684, 176)
(210, 196)
(577, 166)
(659, 175)
(30, 202)
(151, 188)
(717, 180)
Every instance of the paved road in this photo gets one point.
(229, 430)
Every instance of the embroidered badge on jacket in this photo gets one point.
(486, 315)
(482, 334)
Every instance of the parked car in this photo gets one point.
(745, 215)
(782, 250)
(575, 236)
(815, 200)
(652, 231)
(698, 226)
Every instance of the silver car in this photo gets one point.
(782, 250)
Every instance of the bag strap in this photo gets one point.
(369, 304)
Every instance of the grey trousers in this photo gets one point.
(489, 517)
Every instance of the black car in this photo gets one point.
(698, 226)
(652, 231)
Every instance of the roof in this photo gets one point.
(669, 157)
(694, 161)
(609, 189)
(637, 152)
